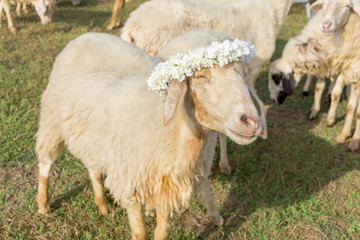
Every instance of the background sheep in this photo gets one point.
(341, 19)
(308, 53)
(44, 9)
(98, 104)
(155, 22)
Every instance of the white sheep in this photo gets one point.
(44, 9)
(152, 149)
(341, 19)
(309, 53)
(155, 22)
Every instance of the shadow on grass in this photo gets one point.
(65, 197)
(289, 167)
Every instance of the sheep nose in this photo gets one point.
(250, 122)
(326, 25)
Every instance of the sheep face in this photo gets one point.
(335, 13)
(282, 81)
(44, 9)
(223, 101)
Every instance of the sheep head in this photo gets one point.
(282, 81)
(300, 56)
(44, 9)
(219, 98)
(335, 13)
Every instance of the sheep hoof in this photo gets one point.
(109, 27)
(218, 220)
(104, 208)
(330, 123)
(44, 210)
(305, 94)
(225, 169)
(341, 139)
(13, 30)
(354, 145)
(312, 115)
(150, 213)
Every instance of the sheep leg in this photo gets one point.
(211, 207)
(136, 219)
(6, 7)
(320, 85)
(118, 5)
(307, 86)
(346, 131)
(46, 159)
(330, 89)
(121, 12)
(18, 8)
(224, 162)
(355, 141)
(335, 97)
(162, 224)
(24, 8)
(99, 196)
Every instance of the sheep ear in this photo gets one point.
(318, 5)
(356, 6)
(174, 98)
(262, 113)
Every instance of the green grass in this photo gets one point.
(298, 184)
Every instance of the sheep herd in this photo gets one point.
(145, 109)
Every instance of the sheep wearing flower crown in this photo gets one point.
(153, 147)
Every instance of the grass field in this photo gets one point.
(297, 184)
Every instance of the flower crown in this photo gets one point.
(182, 65)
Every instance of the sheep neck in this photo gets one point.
(193, 140)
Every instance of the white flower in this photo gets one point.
(180, 66)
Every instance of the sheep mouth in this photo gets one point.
(241, 135)
(327, 32)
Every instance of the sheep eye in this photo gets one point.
(202, 77)
(205, 79)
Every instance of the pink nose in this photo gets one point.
(251, 125)
(326, 25)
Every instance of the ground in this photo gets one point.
(297, 184)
